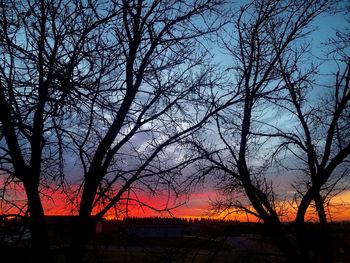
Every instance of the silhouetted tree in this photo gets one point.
(267, 37)
(153, 99)
(109, 82)
(50, 61)
(53, 55)
(320, 138)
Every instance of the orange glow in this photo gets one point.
(340, 207)
(194, 206)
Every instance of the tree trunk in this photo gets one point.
(320, 209)
(321, 247)
(303, 238)
(85, 226)
(84, 230)
(304, 205)
(325, 233)
(274, 227)
(40, 241)
(279, 235)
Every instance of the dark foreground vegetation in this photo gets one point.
(171, 240)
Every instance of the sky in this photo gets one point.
(325, 26)
(197, 203)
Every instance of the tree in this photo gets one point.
(267, 36)
(44, 46)
(320, 140)
(106, 83)
(153, 100)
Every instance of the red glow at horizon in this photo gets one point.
(196, 206)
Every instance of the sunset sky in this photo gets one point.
(197, 203)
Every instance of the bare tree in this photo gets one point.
(154, 98)
(109, 82)
(320, 139)
(264, 33)
(47, 52)
(322, 144)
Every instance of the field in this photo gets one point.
(199, 242)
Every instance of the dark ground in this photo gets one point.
(206, 241)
